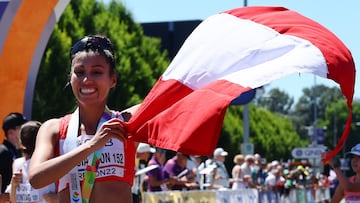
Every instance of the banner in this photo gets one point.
(237, 196)
(195, 196)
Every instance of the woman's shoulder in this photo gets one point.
(237, 167)
(51, 126)
(51, 123)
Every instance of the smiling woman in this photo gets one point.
(348, 188)
(93, 135)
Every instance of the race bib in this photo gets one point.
(25, 193)
(111, 162)
(352, 198)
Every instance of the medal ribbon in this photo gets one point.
(83, 195)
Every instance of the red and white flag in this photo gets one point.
(226, 55)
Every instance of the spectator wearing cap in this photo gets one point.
(143, 154)
(348, 188)
(220, 176)
(144, 151)
(302, 175)
(272, 183)
(10, 149)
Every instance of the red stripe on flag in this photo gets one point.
(191, 124)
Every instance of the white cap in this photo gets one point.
(249, 157)
(143, 147)
(257, 157)
(275, 163)
(220, 152)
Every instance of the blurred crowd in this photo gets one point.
(184, 172)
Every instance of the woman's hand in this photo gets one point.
(333, 162)
(16, 179)
(113, 128)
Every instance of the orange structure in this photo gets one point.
(25, 29)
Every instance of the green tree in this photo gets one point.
(336, 117)
(276, 101)
(304, 112)
(324, 95)
(273, 135)
(139, 59)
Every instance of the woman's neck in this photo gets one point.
(89, 117)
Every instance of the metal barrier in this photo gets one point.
(238, 196)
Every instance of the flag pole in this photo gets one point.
(245, 118)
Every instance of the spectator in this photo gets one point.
(20, 189)
(289, 182)
(274, 165)
(10, 149)
(220, 176)
(156, 180)
(143, 154)
(272, 182)
(259, 172)
(193, 164)
(205, 170)
(176, 170)
(257, 157)
(256, 167)
(246, 167)
(301, 176)
(237, 181)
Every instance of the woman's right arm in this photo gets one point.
(338, 195)
(44, 167)
(344, 181)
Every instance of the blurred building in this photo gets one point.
(172, 34)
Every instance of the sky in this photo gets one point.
(340, 17)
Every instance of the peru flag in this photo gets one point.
(226, 55)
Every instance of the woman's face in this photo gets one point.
(91, 79)
(355, 163)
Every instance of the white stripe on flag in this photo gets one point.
(243, 52)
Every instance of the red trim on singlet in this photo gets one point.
(129, 150)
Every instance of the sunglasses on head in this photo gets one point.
(95, 43)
